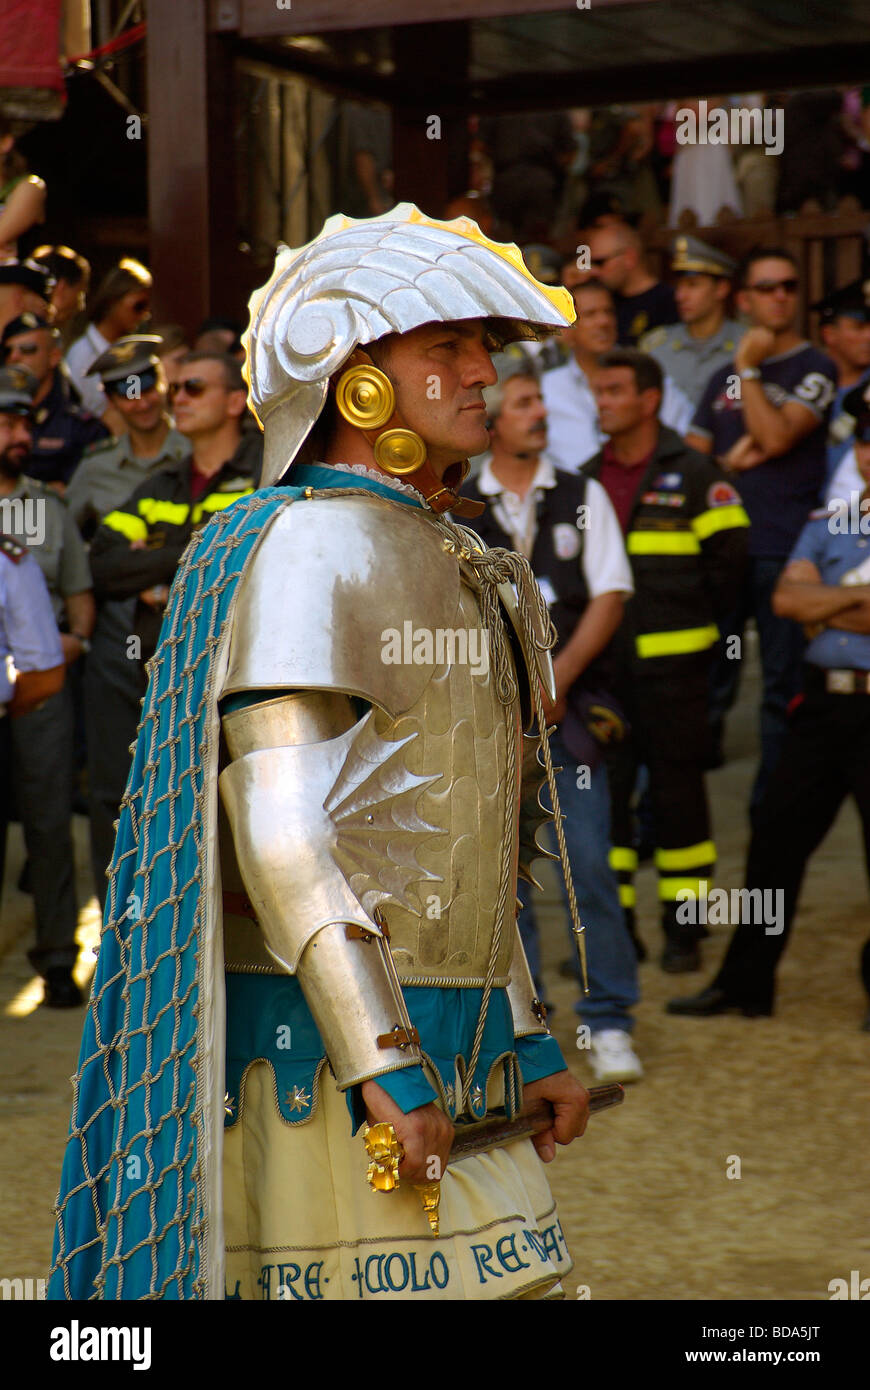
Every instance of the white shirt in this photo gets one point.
(573, 433)
(605, 565)
(846, 479)
(83, 354)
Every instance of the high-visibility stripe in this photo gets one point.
(216, 501)
(677, 643)
(662, 543)
(706, 524)
(670, 887)
(133, 527)
(692, 857)
(622, 859)
(627, 895)
(153, 509)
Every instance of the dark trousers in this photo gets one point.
(781, 644)
(42, 758)
(668, 713)
(825, 758)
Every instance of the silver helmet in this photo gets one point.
(361, 279)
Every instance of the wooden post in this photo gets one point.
(429, 136)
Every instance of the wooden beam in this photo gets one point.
(261, 18)
(178, 148)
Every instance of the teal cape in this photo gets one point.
(132, 1214)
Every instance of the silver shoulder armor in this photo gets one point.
(336, 583)
(286, 792)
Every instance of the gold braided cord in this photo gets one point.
(492, 567)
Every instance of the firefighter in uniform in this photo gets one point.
(686, 536)
(134, 555)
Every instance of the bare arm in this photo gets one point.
(81, 616)
(801, 595)
(775, 429)
(699, 442)
(26, 205)
(600, 620)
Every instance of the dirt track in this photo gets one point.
(644, 1198)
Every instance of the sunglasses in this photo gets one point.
(147, 381)
(769, 286)
(25, 349)
(602, 260)
(194, 386)
(140, 305)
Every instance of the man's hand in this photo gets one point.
(71, 646)
(155, 597)
(425, 1133)
(754, 347)
(742, 455)
(570, 1101)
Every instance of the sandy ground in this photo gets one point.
(645, 1198)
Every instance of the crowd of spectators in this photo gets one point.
(689, 418)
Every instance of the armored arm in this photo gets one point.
(287, 754)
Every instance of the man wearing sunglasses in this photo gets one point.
(764, 418)
(62, 430)
(132, 379)
(642, 301)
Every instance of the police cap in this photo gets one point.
(30, 274)
(544, 263)
(17, 389)
(137, 352)
(852, 301)
(689, 256)
(27, 322)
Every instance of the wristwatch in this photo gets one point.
(84, 642)
(750, 374)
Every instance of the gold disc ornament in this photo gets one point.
(365, 397)
(400, 451)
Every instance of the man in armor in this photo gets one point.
(310, 921)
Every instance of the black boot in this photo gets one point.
(682, 951)
(714, 1000)
(61, 990)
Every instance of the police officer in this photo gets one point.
(31, 659)
(566, 527)
(686, 535)
(136, 549)
(108, 473)
(844, 319)
(705, 338)
(62, 430)
(42, 740)
(825, 586)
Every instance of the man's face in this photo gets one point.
(521, 426)
(594, 330)
(131, 309)
(849, 338)
(15, 443)
(439, 372)
(35, 350)
(620, 405)
(698, 296)
(201, 400)
(145, 411)
(769, 298)
(67, 300)
(611, 255)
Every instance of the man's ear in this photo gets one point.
(237, 403)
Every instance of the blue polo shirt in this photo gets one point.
(834, 551)
(780, 493)
(841, 428)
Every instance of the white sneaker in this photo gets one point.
(612, 1056)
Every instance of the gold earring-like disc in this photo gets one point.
(400, 451)
(365, 397)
